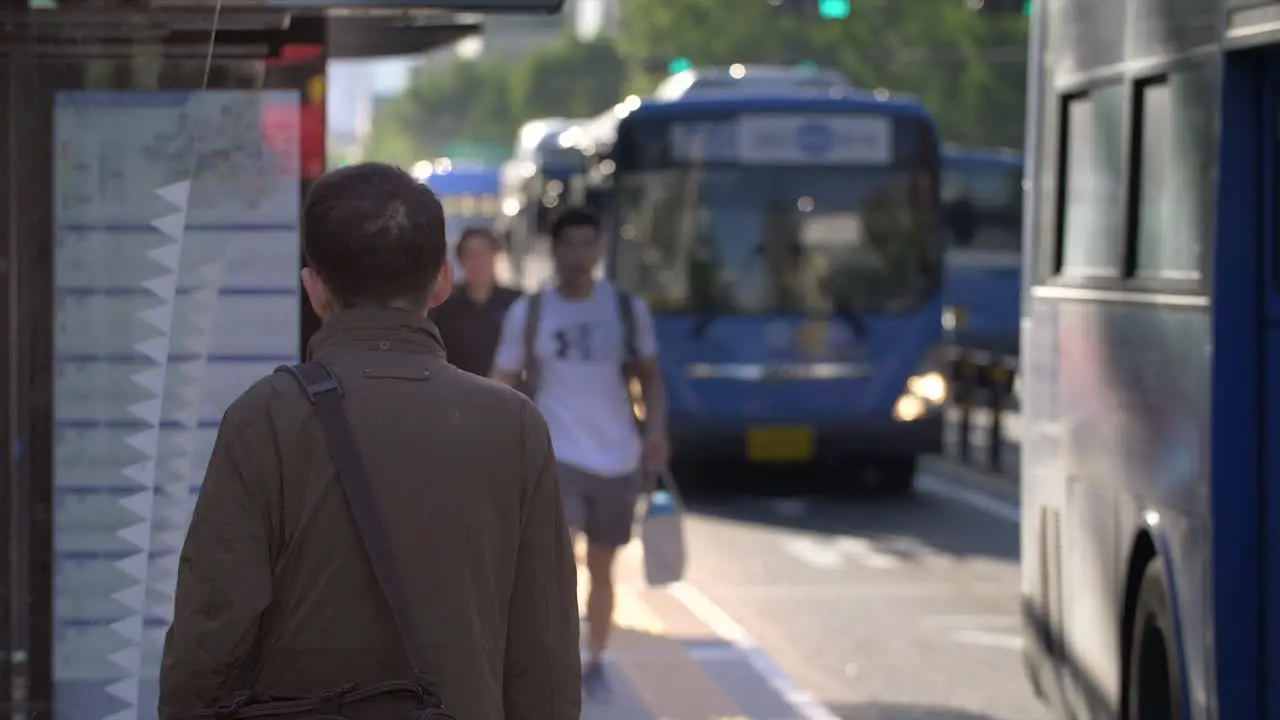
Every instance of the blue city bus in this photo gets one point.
(1151, 361)
(468, 192)
(791, 248)
(534, 187)
(982, 283)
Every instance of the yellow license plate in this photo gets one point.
(781, 444)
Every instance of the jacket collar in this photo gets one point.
(380, 328)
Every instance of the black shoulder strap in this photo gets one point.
(325, 394)
(627, 311)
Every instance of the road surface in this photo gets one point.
(825, 607)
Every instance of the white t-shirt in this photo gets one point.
(581, 392)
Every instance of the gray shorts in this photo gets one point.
(603, 508)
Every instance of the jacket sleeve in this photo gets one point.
(224, 581)
(542, 677)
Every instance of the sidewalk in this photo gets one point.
(666, 664)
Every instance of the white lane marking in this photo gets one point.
(853, 591)
(1002, 641)
(968, 621)
(903, 545)
(914, 550)
(719, 622)
(832, 554)
(865, 552)
(989, 504)
(699, 654)
(813, 553)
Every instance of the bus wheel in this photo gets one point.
(893, 477)
(1154, 684)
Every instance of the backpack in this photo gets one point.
(533, 317)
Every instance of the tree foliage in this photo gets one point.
(486, 100)
(969, 68)
(570, 79)
(471, 101)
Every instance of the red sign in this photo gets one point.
(298, 131)
(312, 134)
(296, 54)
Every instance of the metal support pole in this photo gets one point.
(962, 397)
(995, 404)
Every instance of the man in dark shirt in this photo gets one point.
(471, 319)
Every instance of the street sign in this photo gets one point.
(834, 9)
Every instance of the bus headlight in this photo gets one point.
(909, 408)
(930, 387)
(954, 318)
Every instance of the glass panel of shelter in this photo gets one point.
(170, 210)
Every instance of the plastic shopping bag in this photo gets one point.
(662, 533)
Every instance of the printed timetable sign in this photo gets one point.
(176, 255)
(826, 139)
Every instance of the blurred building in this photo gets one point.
(365, 112)
(359, 87)
(354, 86)
(593, 18)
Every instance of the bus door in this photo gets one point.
(1246, 433)
(1268, 148)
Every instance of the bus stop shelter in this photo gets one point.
(152, 165)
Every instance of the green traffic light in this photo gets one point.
(1027, 6)
(678, 65)
(834, 9)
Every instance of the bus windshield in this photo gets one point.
(728, 239)
(993, 192)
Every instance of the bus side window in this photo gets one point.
(1092, 204)
(1174, 196)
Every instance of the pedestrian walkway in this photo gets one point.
(667, 664)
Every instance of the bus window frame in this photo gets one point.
(1124, 285)
(1114, 268)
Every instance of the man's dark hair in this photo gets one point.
(472, 233)
(573, 217)
(374, 235)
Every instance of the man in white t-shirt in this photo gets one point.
(581, 360)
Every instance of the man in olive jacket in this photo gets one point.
(273, 573)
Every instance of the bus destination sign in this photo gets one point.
(828, 139)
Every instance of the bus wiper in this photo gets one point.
(846, 312)
(702, 322)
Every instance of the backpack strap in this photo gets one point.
(532, 321)
(627, 311)
(325, 393)
(631, 352)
